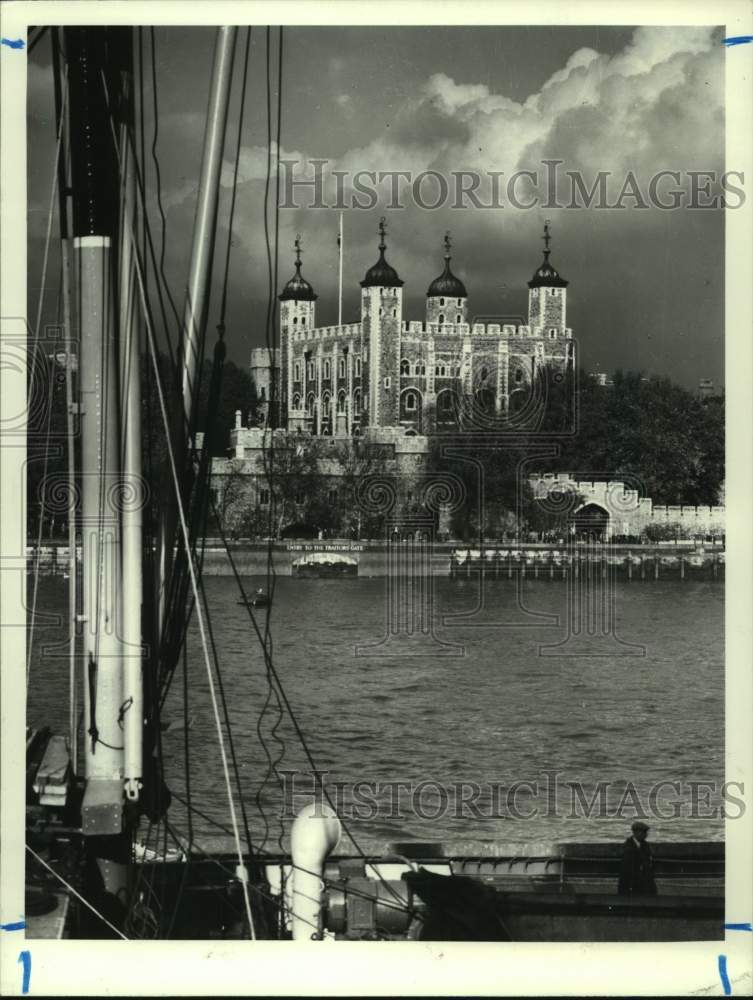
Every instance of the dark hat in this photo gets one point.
(638, 825)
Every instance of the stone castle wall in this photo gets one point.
(629, 513)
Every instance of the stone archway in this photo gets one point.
(591, 521)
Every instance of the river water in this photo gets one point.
(458, 717)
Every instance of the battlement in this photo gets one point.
(417, 328)
(327, 332)
(631, 512)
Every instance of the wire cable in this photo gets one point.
(34, 359)
(78, 895)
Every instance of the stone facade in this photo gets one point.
(386, 371)
(627, 512)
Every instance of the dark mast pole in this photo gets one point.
(100, 68)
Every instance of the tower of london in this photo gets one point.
(386, 371)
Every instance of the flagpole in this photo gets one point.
(340, 294)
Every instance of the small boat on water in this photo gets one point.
(257, 600)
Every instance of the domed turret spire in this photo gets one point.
(546, 276)
(381, 274)
(447, 284)
(298, 288)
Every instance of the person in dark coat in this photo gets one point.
(637, 869)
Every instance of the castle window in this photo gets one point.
(420, 368)
(264, 497)
(358, 367)
(263, 394)
(553, 333)
(387, 381)
(460, 302)
(326, 371)
(441, 317)
(519, 375)
(357, 402)
(295, 321)
(552, 291)
(303, 320)
(394, 312)
(332, 496)
(411, 402)
(484, 372)
(297, 372)
(296, 401)
(441, 302)
(458, 318)
(341, 368)
(405, 367)
(440, 370)
(341, 402)
(445, 401)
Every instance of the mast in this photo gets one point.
(63, 210)
(197, 290)
(134, 495)
(97, 60)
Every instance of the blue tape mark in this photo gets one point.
(737, 40)
(13, 43)
(18, 926)
(25, 958)
(738, 927)
(723, 975)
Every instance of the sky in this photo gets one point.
(646, 284)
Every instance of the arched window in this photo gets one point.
(411, 402)
(441, 316)
(405, 367)
(358, 367)
(303, 320)
(297, 401)
(297, 371)
(357, 402)
(341, 368)
(552, 333)
(458, 318)
(484, 373)
(440, 370)
(441, 302)
(326, 369)
(295, 321)
(460, 302)
(445, 404)
(420, 368)
(341, 401)
(310, 404)
(519, 375)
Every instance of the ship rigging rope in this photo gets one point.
(34, 356)
(78, 895)
(268, 454)
(158, 179)
(190, 548)
(191, 567)
(299, 732)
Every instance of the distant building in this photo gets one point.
(600, 378)
(265, 378)
(383, 372)
(706, 387)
